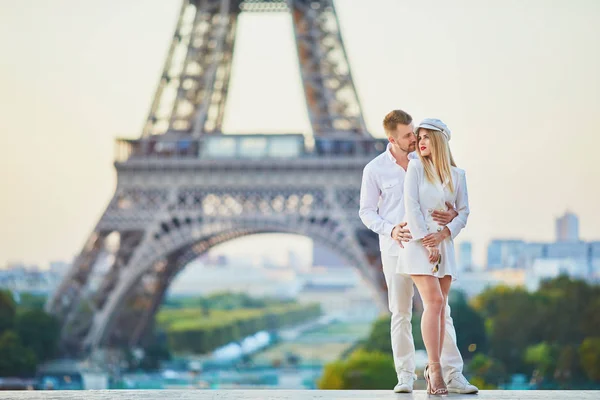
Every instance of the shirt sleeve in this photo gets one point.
(462, 207)
(413, 214)
(369, 205)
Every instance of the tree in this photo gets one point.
(379, 339)
(567, 365)
(543, 357)
(589, 354)
(469, 326)
(40, 332)
(570, 299)
(16, 360)
(487, 373)
(362, 370)
(513, 320)
(7, 310)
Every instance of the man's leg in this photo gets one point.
(400, 294)
(452, 362)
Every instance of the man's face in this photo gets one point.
(403, 138)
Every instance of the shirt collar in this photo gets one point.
(411, 156)
(388, 152)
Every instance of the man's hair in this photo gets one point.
(395, 117)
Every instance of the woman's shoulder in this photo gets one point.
(416, 164)
(458, 171)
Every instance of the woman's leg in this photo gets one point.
(433, 308)
(445, 283)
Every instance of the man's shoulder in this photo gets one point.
(376, 162)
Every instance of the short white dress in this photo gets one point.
(421, 198)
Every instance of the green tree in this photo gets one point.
(16, 360)
(543, 357)
(469, 325)
(589, 354)
(486, 372)
(7, 310)
(362, 370)
(379, 339)
(40, 332)
(591, 317)
(567, 365)
(513, 317)
(570, 299)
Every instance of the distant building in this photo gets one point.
(567, 228)
(543, 269)
(505, 254)
(473, 283)
(59, 268)
(465, 256)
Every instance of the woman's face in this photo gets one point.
(423, 143)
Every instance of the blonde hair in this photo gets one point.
(438, 165)
(393, 118)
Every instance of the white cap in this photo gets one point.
(435, 125)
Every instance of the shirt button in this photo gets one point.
(430, 211)
(439, 229)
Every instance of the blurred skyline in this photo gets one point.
(516, 81)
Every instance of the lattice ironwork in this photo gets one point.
(173, 204)
(193, 88)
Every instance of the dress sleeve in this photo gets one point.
(462, 207)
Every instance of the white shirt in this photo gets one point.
(382, 198)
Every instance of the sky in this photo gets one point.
(516, 80)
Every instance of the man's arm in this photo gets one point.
(369, 200)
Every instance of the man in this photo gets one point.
(382, 211)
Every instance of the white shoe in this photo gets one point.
(405, 383)
(459, 384)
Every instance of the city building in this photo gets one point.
(465, 256)
(505, 253)
(567, 228)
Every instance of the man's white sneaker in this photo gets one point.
(405, 383)
(459, 384)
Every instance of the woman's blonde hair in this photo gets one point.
(438, 165)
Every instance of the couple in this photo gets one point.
(419, 199)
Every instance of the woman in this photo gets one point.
(432, 181)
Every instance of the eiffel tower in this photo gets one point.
(184, 187)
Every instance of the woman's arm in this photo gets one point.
(462, 207)
(412, 207)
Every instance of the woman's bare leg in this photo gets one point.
(433, 308)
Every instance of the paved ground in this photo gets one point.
(290, 395)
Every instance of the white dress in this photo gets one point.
(421, 198)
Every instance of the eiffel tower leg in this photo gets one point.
(193, 89)
(331, 98)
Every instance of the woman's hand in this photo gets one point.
(434, 239)
(434, 254)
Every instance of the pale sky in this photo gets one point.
(517, 81)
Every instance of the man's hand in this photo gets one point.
(401, 234)
(444, 217)
(434, 239)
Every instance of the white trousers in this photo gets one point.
(400, 295)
